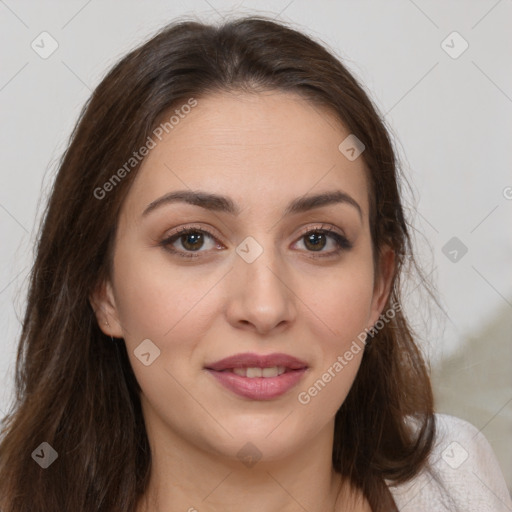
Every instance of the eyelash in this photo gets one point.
(342, 243)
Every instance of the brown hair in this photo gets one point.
(75, 388)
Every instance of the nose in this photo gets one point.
(261, 296)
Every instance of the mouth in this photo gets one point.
(258, 377)
(254, 372)
(258, 362)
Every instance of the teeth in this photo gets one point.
(270, 372)
(251, 373)
(239, 371)
(254, 372)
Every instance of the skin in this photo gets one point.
(262, 150)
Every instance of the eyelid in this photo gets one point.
(304, 230)
(194, 227)
(323, 226)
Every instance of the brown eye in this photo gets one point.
(191, 241)
(316, 240)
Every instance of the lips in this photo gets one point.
(258, 377)
(249, 360)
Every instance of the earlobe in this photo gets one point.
(104, 306)
(383, 283)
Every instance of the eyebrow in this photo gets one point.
(225, 204)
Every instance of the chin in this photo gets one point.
(268, 439)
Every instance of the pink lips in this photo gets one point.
(258, 388)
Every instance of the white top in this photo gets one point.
(469, 476)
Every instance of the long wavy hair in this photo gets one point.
(75, 388)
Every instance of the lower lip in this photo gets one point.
(259, 388)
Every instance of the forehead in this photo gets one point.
(259, 148)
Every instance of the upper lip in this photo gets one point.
(251, 360)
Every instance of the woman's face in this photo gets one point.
(248, 279)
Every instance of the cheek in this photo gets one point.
(171, 307)
(340, 307)
(341, 300)
(155, 298)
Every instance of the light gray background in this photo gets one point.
(451, 118)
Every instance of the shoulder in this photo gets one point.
(464, 474)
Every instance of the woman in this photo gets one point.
(214, 316)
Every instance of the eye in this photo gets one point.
(192, 240)
(315, 240)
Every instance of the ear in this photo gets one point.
(383, 281)
(103, 303)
